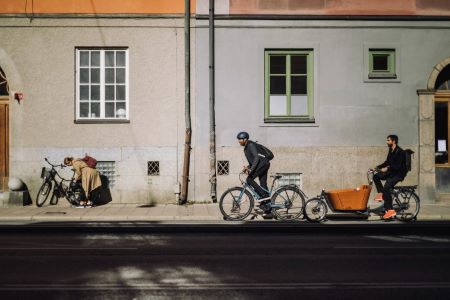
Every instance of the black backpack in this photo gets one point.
(409, 154)
(264, 151)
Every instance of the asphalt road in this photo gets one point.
(246, 265)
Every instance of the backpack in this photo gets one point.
(264, 151)
(90, 161)
(409, 154)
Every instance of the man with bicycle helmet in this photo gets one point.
(393, 170)
(258, 167)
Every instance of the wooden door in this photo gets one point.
(4, 143)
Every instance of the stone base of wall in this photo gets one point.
(321, 167)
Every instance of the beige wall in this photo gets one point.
(39, 60)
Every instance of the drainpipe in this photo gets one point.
(212, 114)
(187, 102)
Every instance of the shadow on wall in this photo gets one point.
(103, 193)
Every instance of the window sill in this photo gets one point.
(382, 76)
(289, 120)
(102, 121)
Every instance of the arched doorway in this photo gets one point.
(4, 130)
(442, 132)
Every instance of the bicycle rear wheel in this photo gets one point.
(407, 207)
(236, 204)
(315, 210)
(43, 193)
(288, 203)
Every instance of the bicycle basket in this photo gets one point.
(45, 172)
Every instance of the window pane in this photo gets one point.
(277, 85)
(120, 110)
(298, 85)
(298, 64)
(84, 92)
(109, 58)
(95, 59)
(120, 92)
(95, 75)
(84, 110)
(95, 110)
(109, 75)
(120, 58)
(380, 62)
(84, 75)
(299, 105)
(95, 92)
(84, 58)
(278, 105)
(277, 64)
(109, 110)
(109, 92)
(120, 75)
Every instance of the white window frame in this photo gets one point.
(102, 85)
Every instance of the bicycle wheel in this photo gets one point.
(407, 206)
(315, 210)
(288, 203)
(236, 204)
(43, 193)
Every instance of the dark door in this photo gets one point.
(4, 143)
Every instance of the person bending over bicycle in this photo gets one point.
(258, 167)
(89, 177)
(393, 170)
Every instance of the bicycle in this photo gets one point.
(72, 191)
(286, 202)
(406, 204)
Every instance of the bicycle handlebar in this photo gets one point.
(59, 166)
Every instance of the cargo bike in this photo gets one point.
(353, 203)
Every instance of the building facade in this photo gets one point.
(321, 83)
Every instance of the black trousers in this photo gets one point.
(260, 172)
(391, 181)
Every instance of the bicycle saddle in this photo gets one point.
(276, 176)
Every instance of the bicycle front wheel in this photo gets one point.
(288, 203)
(315, 210)
(236, 204)
(43, 193)
(407, 207)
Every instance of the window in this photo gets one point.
(4, 89)
(223, 167)
(289, 86)
(382, 63)
(153, 168)
(108, 169)
(102, 84)
(290, 178)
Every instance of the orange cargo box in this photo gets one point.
(350, 199)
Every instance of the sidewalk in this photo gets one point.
(167, 212)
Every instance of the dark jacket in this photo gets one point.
(396, 162)
(254, 159)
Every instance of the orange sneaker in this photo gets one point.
(379, 197)
(389, 214)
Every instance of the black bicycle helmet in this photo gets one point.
(243, 136)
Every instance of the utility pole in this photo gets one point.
(187, 102)
(212, 113)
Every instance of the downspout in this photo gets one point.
(212, 114)
(187, 102)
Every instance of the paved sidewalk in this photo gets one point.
(167, 212)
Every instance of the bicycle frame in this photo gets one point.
(58, 189)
